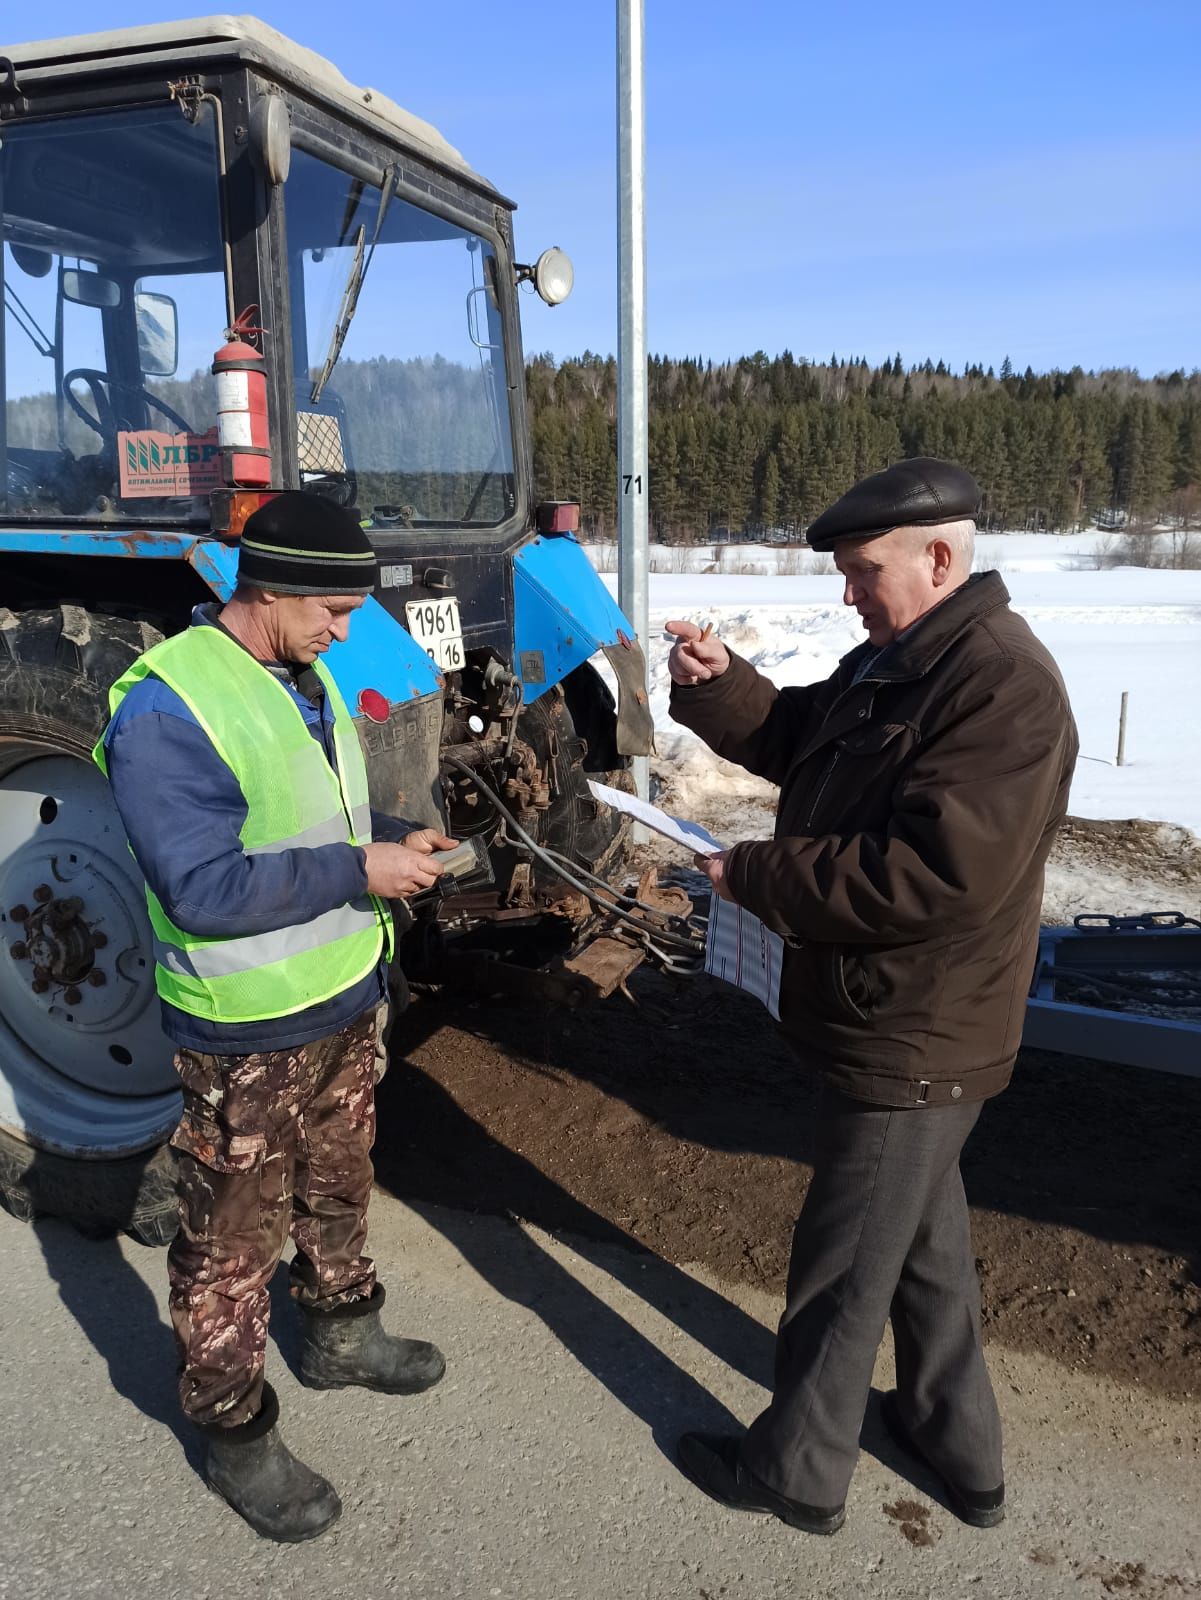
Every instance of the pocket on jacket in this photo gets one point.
(874, 739)
(903, 984)
(848, 985)
(825, 985)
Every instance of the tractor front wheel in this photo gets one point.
(88, 1093)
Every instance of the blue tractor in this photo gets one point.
(227, 270)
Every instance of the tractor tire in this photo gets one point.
(88, 1093)
(134, 1195)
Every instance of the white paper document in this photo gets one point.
(741, 951)
(690, 834)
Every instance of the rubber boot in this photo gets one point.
(346, 1346)
(252, 1468)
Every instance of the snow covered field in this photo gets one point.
(1009, 552)
(1126, 629)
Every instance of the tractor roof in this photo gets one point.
(192, 44)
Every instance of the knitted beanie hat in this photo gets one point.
(305, 544)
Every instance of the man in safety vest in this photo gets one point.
(238, 774)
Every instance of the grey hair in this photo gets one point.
(961, 536)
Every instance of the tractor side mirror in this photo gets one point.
(158, 333)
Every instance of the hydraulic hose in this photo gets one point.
(684, 944)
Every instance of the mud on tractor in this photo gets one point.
(227, 271)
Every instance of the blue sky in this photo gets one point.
(948, 180)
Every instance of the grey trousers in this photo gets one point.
(883, 1233)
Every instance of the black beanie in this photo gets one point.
(305, 544)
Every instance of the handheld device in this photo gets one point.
(466, 866)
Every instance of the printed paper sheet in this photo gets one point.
(690, 834)
(741, 951)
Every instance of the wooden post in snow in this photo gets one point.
(1122, 730)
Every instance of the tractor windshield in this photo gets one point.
(401, 392)
(114, 300)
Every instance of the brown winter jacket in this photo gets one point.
(917, 809)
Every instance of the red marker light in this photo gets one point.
(372, 704)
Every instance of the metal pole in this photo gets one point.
(1122, 730)
(632, 487)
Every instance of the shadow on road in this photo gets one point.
(475, 1172)
(635, 1371)
(120, 1317)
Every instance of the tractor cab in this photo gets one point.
(162, 185)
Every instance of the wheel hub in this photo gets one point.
(58, 941)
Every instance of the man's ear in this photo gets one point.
(942, 559)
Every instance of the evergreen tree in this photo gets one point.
(769, 493)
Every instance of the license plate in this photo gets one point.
(436, 627)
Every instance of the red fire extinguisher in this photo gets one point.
(241, 375)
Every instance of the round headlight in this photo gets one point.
(554, 276)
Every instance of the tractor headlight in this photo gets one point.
(552, 275)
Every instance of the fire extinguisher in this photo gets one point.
(241, 375)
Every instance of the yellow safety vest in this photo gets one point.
(294, 800)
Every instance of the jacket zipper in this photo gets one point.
(821, 788)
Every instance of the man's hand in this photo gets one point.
(714, 868)
(693, 658)
(427, 840)
(397, 870)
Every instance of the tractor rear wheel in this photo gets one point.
(88, 1093)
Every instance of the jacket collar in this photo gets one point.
(931, 636)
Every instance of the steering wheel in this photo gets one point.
(102, 389)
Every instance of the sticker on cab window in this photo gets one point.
(153, 463)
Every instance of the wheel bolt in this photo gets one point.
(40, 985)
(19, 951)
(19, 914)
(97, 979)
(73, 996)
(99, 940)
(43, 892)
(42, 974)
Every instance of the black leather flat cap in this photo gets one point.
(920, 491)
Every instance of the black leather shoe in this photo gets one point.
(979, 1508)
(713, 1463)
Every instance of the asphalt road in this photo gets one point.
(541, 1465)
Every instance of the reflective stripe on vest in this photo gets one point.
(294, 800)
(222, 958)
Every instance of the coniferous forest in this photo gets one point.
(765, 444)
(761, 444)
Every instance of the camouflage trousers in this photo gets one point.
(270, 1144)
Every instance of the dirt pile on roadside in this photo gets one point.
(681, 1127)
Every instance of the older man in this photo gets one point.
(921, 787)
(237, 771)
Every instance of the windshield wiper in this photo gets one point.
(26, 321)
(359, 263)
